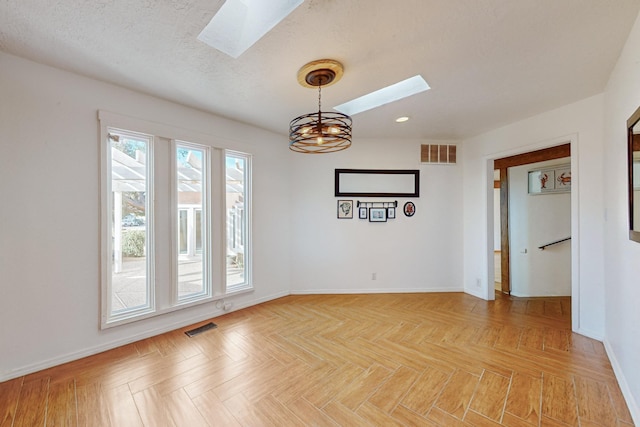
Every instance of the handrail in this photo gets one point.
(554, 243)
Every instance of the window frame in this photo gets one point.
(207, 255)
(163, 222)
(107, 315)
(247, 284)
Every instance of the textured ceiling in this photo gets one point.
(488, 62)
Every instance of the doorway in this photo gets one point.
(501, 170)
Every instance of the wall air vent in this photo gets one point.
(440, 154)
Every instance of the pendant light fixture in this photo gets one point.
(321, 132)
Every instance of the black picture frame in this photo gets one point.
(377, 214)
(362, 213)
(377, 183)
(391, 213)
(409, 209)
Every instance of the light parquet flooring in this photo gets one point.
(341, 360)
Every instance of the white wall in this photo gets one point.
(416, 254)
(581, 124)
(49, 187)
(535, 220)
(622, 256)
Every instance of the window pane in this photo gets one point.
(182, 231)
(236, 189)
(198, 231)
(129, 289)
(191, 175)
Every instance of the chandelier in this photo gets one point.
(324, 131)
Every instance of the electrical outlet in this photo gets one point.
(374, 276)
(478, 282)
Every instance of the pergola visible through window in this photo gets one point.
(131, 285)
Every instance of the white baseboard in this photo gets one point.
(70, 357)
(474, 292)
(622, 382)
(372, 291)
(589, 334)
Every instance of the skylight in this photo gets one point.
(395, 92)
(240, 23)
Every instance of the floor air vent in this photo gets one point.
(201, 329)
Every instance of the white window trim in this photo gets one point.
(207, 258)
(106, 208)
(217, 231)
(247, 285)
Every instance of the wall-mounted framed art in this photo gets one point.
(345, 209)
(409, 209)
(362, 213)
(377, 183)
(391, 213)
(556, 179)
(377, 214)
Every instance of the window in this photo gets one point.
(238, 254)
(192, 260)
(175, 221)
(129, 285)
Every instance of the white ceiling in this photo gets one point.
(488, 62)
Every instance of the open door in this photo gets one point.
(503, 166)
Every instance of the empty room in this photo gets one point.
(319, 212)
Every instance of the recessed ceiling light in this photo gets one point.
(240, 23)
(403, 89)
(402, 119)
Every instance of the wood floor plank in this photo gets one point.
(61, 404)
(214, 410)
(376, 416)
(362, 387)
(410, 418)
(490, 396)
(183, 410)
(511, 420)
(273, 411)
(162, 373)
(245, 413)
(92, 407)
(425, 391)
(558, 400)
(475, 419)
(343, 416)
(32, 403)
(443, 359)
(9, 399)
(624, 416)
(457, 394)
(524, 398)
(509, 338)
(324, 391)
(594, 402)
(310, 413)
(389, 394)
(122, 407)
(152, 408)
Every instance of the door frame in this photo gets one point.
(503, 164)
(488, 286)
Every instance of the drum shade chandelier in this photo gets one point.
(324, 131)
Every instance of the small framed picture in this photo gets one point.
(362, 213)
(377, 214)
(409, 209)
(391, 213)
(345, 209)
